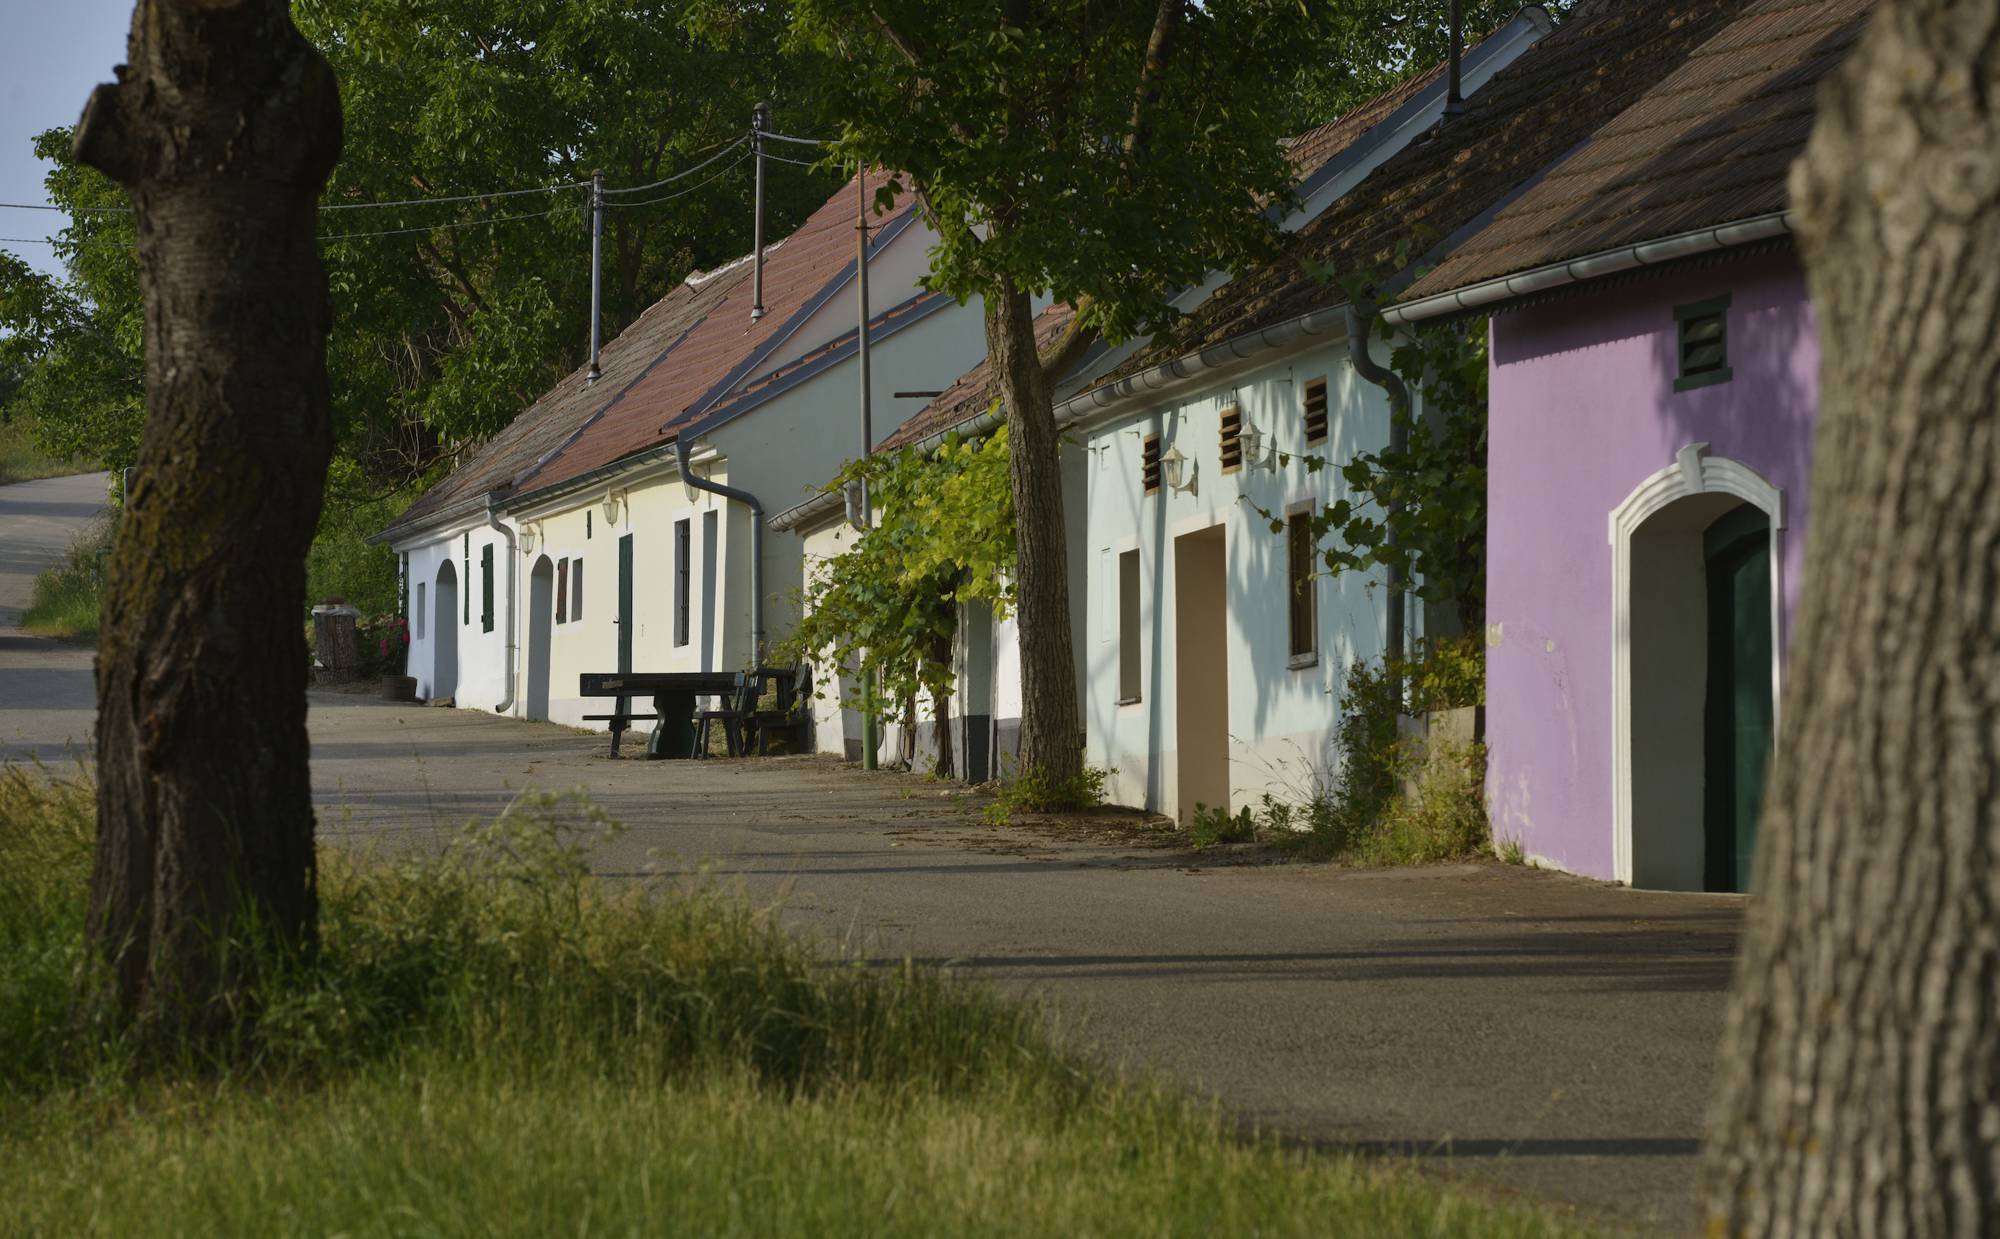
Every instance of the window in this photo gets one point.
(1128, 627)
(1232, 439)
(1315, 400)
(586, 524)
(562, 591)
(1149, 464)
(465, 574)
(1299, 575)
(1704, 343)
(486, 588)
(576, 589)
(417, 613)
(683, 574)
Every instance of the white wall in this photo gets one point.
(1280, 718)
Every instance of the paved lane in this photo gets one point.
(47, 699)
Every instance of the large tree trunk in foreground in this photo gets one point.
(223, 128)
(1050, 740)
(1860, 1089)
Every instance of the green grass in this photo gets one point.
(494, 1042)
(66, 598)
(22, 461)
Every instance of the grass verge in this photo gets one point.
(22, 461)
(494, 1042)
(67, 597)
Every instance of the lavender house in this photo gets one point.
(1653, 375)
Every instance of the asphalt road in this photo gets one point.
(47, 703)
(1528, 1032)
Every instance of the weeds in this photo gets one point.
(21, 460)
(1208, 827)
(1034, 791)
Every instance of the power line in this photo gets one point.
(501, 193)
(796, 163)
(681, 193)
(36, 206)
(467, 223)
(682, 175)
(786, 137)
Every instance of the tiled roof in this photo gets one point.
(972, 392)
(884, 323)
(1524, 119)
(797, 276)
(1710, 144)
(495, 467)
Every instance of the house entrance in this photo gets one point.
(541, 622)
(1201, 669)
(444, 633)
(1702, 642)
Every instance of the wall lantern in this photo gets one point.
(1177, 471)
(1257, 452)
(530, 534)
(612, 499)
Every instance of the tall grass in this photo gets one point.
(492, 1041)
(22, 461)
(67, 597)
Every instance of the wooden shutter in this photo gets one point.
(562, 591)
(1232, 439)
(1128, 627)
(486, 588)
(1315, 410)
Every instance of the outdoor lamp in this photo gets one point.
(1256, 453)
(1176, 472)
(611, 507)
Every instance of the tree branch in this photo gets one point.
(1159, 46)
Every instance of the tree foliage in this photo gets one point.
(943, 537)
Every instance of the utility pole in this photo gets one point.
(868, 704)
(760, 123)
(596, 271)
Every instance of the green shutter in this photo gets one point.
(486, 587)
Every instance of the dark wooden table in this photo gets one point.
(673, 694)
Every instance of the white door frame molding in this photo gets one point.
(1694, 472)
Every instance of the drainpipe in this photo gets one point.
(756, 544)
(1358, 323)
(493, 522)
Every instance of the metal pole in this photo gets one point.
(1454, 102)
(868, 724)
(596, 271)
(760, 122)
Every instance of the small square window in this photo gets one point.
(1315, 402)
(1703, 331)
(1149, 464)
(1232, 439)
(562, 591)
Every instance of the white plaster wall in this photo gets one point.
(1281, 718)
(481, 654)
(893, 275)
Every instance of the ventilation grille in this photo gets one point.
(1149, 464)
(1232, 439)
(1704, 343)
(1316, 411)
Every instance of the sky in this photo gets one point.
(51, 54)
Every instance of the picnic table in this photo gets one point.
(674, 695)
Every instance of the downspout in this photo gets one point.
(756, 544)
(1358, 323)
(493, 522)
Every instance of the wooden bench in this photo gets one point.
(673, 694)
(620, 723)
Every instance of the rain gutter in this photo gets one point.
(1483, 296)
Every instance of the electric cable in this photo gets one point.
(684, 173)
(681, 193)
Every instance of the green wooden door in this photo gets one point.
(624, 620)
(1739, 712)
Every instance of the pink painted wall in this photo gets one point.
(1582, 410)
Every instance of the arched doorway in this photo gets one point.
(541, 621)
(444, 633)
(1698, 618)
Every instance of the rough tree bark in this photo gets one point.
(1050, 741)
(223, 128)
(1860, 1090)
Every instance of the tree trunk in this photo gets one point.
(941, 654)
(1050, 740)
(223, 129)
(1860, 1088)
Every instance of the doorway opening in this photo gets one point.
(1201, 670)
(444, 633)
(1703, 637)
(541, 627)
